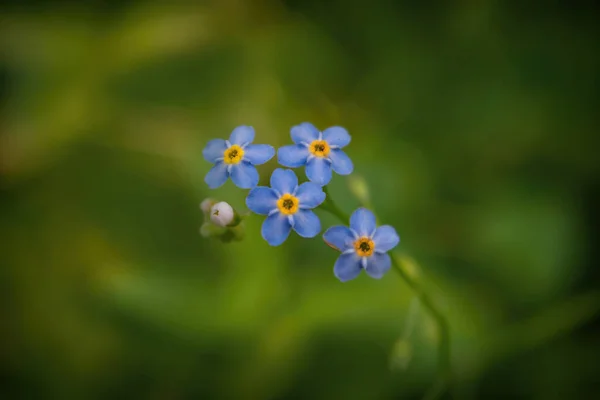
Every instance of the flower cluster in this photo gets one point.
(288, 205)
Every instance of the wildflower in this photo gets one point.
(236, 158)
(363, 246)
(287, 206)
(319, 151)
(222, 214)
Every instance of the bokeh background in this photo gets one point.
(474, 123)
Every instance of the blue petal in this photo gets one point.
(318, 171)
(261, 200)
(276, 229)
(214, 149)
(340, 162)
(244, 175)
(242, 135)
(347, 267)
(293, 156)
(305, 132)
(307, 224)
(310, 195)
(336, 136)
(340, 237)
(385, 238)
(284, 180)
(217, 175)
(363, 222)
(257, 154)
(378, 264)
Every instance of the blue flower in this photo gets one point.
(319, 151)
(287, 206)
(236, 158)
(363, 246)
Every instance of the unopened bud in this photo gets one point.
(401, 355)
(208, 229)
(222, 214)
(207, 204)
(358, 186)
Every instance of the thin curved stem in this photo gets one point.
(444, 365)
(332, 208)
(401, 267)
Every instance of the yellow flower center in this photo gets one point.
(319, 148)
(287, 204)
(364, 247)
(233, 155)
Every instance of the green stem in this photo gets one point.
(401, 267)
(332, 208)
(444, 366)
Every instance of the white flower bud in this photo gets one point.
(222, 214)
(207, 204)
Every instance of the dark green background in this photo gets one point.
(474, 123)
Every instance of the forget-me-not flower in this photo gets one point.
(236, 158)
(319, 151)
(363, 246)
(287, 206)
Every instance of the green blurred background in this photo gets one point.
(475, 124)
